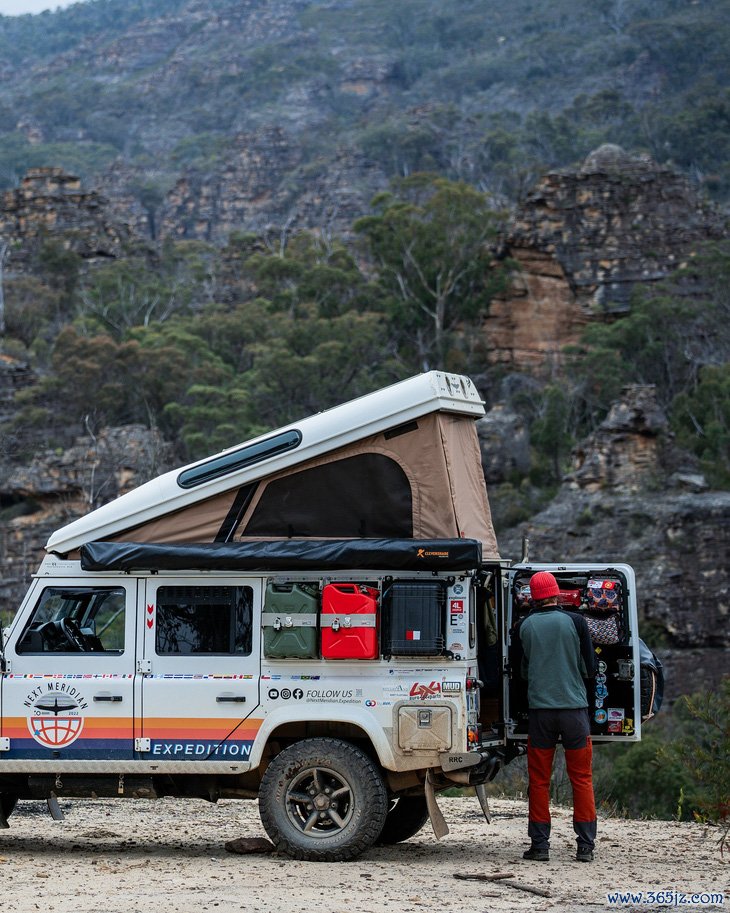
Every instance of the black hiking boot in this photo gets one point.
(537, 854)
(584, 854)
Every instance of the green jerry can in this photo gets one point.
(290, 621)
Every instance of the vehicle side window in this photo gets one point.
(76, 620)
(204, 619)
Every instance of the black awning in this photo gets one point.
(286, 555)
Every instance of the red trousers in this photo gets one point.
(579, 764)
(546, 726)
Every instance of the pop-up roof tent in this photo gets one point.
(400, 463)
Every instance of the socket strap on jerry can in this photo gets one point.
(349, 621)
(289, 621)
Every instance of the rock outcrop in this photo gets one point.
(51, 203)
(267, 186)
(623, 454)
(583, 240)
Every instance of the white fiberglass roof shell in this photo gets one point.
(388, 408)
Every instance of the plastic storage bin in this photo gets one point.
(413, 613)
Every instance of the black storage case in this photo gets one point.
(414, 617)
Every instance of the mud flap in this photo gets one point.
(54, 808)
(439, 825)
(481, 791)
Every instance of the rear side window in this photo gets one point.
(204, 619)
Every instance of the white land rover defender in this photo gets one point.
(318, 618)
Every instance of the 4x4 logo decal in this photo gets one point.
(421, 692)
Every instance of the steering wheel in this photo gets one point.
(72, 633)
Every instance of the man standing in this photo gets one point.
(558, 657)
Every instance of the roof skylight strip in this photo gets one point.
(230, 462)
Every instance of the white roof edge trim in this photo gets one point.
(321, 433)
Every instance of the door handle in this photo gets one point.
(230, 699)
(110, 698)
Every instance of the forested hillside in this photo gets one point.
(485, 92)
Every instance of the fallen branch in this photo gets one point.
(479, 877)
(504, 879)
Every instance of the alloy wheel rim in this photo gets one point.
(319, 802)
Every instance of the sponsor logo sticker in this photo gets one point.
(421, 691)
(450, 687)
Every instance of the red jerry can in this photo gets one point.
(349, 621)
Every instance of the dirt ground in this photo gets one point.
(136, 856)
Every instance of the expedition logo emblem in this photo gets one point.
(425, 553)
(55, 720)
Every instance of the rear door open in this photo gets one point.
(605, 595)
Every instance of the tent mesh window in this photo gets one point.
(364, 496)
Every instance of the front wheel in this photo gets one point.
(406, 817)
(324, 800)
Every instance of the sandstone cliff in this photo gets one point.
(582, 240)
(51, 203)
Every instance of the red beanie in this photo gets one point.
(543, 585)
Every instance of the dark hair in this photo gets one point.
(539, 603)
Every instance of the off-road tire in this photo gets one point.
(406, 817)
(299, 783)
